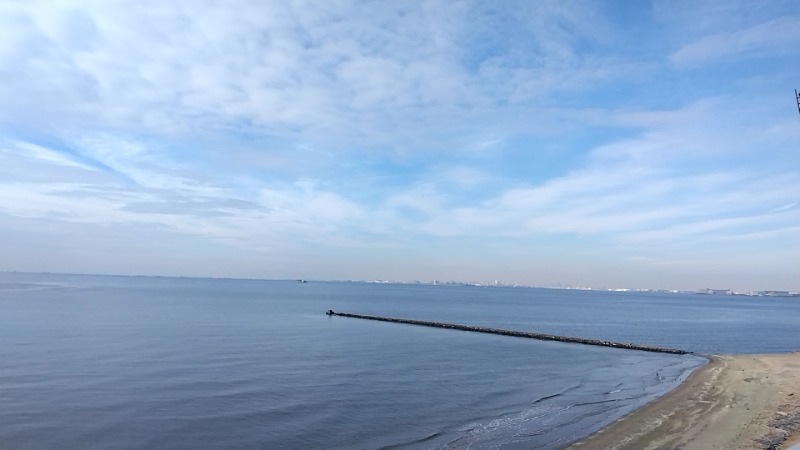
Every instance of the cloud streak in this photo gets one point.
(775, 37)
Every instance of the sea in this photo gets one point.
(91, 361)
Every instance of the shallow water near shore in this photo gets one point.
(135, 362)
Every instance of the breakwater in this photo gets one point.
(521, 334)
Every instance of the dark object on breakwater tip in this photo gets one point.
(522, 334)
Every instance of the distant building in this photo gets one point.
(775, 294)
(715, 291)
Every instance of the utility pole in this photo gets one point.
(797, 96)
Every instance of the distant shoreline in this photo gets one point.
(792, 293)
(733, 402)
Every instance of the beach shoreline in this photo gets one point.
(733, 402)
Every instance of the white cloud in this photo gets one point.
(424, 198)
(679, 181)
(305, 204)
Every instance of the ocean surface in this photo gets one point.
(150, 362)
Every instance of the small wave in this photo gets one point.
(22, 287)
(557, 394)
(600, 402)
(414, 443)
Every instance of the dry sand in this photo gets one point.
(734, 402)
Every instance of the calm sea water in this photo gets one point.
(145, 362)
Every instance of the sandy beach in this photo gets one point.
(733, 402)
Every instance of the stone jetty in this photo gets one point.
(522, 334)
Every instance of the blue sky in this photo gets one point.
(603, 144)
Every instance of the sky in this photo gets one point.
(606, 144)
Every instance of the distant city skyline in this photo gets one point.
(641, 145)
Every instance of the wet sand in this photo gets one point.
(733, 402)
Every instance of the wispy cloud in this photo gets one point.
(775, 37)
(784, 207)
(47, 155)
(352, 73)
